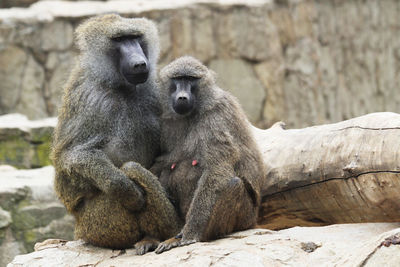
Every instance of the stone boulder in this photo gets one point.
(24, 143)
(339, 245)
(304, 62)
(29, 211)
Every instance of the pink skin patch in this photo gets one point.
(173, 166)
(194, 162)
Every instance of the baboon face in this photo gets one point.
(131, 58)
(186, 86)
(118, 51)
(183, 92)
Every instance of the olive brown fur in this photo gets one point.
(210, 164)
(110, 116)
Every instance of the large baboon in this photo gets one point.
(110, 115)
(210, 164)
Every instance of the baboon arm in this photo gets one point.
(158, 165)
(218, 145)
(210, 185)
(94, 165)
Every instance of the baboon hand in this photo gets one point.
(133, 169)
(128, 192)
(137, 172)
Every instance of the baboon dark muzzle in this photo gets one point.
(137, 78)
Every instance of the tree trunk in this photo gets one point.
(347, 172)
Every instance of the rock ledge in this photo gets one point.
(341, 245)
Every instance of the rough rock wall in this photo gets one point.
(26, 3)
(29, 211)
(303, 62)
(24, 143)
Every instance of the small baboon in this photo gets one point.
(210, 164)
(110, 116)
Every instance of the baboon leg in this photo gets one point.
(146, 244)
(234, 210)
(104, 222)
(98, 169)
(159, 217)
(228, 207)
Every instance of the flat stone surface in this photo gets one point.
(22, 122)
(39, 181)
(345, 245)
(48, 10)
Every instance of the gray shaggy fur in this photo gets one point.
(103, 123)
(221, 193)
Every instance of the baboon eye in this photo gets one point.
(192, 78)
(79, 204)
(187, 78)
(193, 88)
(118, 39)
(125, 37)
(172, 88)
(144, 48)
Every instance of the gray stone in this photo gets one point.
(5, 218)
(203, 40)
(164, 31)
(57, 36)
(9, 247)
(24, 143)
(385, 256)
(303, 98)
(38, 215)
(181, 36)
(12, 64)
(29, 199)
(10, 197)
(16, 3)
(59, 65)
(238, 77)
(31, 100)
(256, 37)
(341, 245)
(39, 183)
(7, 34)
(339, 58)
(225, 36)
(283, 21)
(62, 228)
(271, 74)
(304, 13)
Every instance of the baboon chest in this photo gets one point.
(181, 179)
(134, 138)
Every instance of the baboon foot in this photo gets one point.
(168, 244)
(173, 242)
(145, 245)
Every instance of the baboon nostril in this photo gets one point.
(182, 98)
(140, 65)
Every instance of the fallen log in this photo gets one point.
(346, 172)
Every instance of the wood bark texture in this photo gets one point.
(347, 172)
